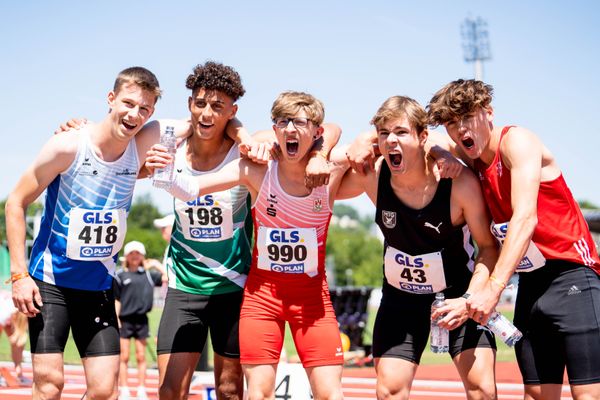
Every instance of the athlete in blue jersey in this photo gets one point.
(89, 177)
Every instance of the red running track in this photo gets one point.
(433, 382)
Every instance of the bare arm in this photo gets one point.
(363, 152)
(522, 152)
(469, 205)
(150, 135)
(317, 170)
(55, 157)
(354, 183)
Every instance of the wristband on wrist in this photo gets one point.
(497, 282)
(466, 295)
(15, 277)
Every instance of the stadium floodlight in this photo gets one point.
(476, 44)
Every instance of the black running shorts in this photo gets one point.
(187, 318)
(89, 314)
(402, 330)
(558, 311)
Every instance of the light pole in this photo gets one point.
(476, 43)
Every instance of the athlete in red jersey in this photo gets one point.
(544, 236)
(287, 280)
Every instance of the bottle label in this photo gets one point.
(439, 337)
(533, 258)
(502, 327)
(414, 274)
(208, 218)
(95, 234)
(288, 250)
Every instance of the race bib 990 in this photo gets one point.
(415, 274)
(95, 234)
(290, 251)
(533, 258)
(209, 218)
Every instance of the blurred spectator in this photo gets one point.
(133, 288)
(14, 324)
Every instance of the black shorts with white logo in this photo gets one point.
(89, 314)
(558, 311)
(187, 318)
(402, 329)
(134, 326)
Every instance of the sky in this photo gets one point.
(60, 59)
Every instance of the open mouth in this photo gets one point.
(395, 159)
(128, 125)
(291, 147)
(468, 143)
(205, 126)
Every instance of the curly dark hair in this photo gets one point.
(216, 76)
(458, 98)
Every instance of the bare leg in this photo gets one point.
(101, 377)
(261, 381)
(175, 374)
(229, 378)
(476, 368)
(48, 376)
(326, 382)
(394, 378)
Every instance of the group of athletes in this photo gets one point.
(278, 188)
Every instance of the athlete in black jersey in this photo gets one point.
(424, 220)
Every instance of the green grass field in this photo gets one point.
(505, 353)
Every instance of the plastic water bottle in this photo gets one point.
(504, 329)
(440, 337)
(163, 177)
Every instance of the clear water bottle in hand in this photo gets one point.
(504, 329)
(440, 337)
(163, 177)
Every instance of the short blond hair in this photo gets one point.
(140, 76)
(398, 107)
(457, 99)
(289, 104)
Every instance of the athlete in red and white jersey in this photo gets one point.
(287, 278)
(544, 237)
(561, 232)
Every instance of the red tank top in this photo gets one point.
(290, 233)
(561, 232)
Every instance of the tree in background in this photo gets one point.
(140, 227)
(587, 205)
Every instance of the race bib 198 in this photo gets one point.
(95, 234)
(415, 274)
(290, 250)
(209, 218)
(533, 258)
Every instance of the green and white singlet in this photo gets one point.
(210, 244)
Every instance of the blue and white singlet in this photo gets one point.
(85, 220)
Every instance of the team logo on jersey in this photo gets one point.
(318, 205)
(272, 200)
(389, 218)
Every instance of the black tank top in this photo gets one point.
(424, 231)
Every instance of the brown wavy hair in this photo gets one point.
(458, 98)
(216, 76)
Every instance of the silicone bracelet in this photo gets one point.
(15, 277)
(497, 281)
